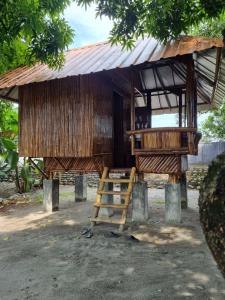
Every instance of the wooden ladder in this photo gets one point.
(123, 206)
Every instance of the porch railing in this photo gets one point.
(166, 140)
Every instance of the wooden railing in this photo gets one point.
(169, 140)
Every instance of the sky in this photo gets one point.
(90, 30)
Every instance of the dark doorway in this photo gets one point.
(118, 121)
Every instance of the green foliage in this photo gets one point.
(8, 156)
(8, 119)
(9, 161)
(214, 126)
(210, 28)
(33, 31)
(161, 19)
(27, 177)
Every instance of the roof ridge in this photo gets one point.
(89, 46)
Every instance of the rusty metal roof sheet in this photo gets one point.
(104, 56)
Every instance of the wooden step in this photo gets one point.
(120, 170)
(113, 193)
(115, 180)
(116, 206)
(128, 180)
(108, 220)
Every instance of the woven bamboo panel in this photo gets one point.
(161, 164)
(77, 164)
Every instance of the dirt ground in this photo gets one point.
(43, 256)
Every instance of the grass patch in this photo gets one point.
(159, 201)
(66, 194)
(38, 199)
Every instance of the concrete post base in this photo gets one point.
(107, 199)
(51, 195)
(140, 210)
(80, 188)
(173, 203)
(183, 190)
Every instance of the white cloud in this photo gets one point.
(88, 28)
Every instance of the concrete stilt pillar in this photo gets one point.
(51, 195)
(107, 199)
(140, 210)
(183, 190)
(173, 203)
(80, 188)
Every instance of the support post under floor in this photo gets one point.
(51, 194)
(173, 203)
(80, 188)
(183, 190)
(140, 210)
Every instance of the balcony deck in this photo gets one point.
(163, 150)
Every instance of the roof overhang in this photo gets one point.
(103, 57)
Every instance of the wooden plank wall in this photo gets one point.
(56, 118)
(103, 116)
(71, 117)
(127, 124)
(162, 140)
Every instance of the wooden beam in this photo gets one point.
(143, 86)
(149, 107)
(163, 87)
(190, 90)
(132, 115)
(156, 86)
(180, 110)
(168, 88)
(37, 167)
(162, 129)
(8, 98)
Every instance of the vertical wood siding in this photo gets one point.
(56, 118)
(69, 118)
(103, 116)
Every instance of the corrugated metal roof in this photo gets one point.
(103, 56)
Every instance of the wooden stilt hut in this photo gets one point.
(97, 110)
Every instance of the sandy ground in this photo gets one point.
(43, 256)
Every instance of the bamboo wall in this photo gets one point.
(70, 117)
(127, 123)
(103, 116)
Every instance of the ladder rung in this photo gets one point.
(107, 220)
(105, 205)
(114, 180)
(113, 193)
(120, 170)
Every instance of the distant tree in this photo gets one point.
(214, 27)
(33, 31)
(214, 125)
(162, 19)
